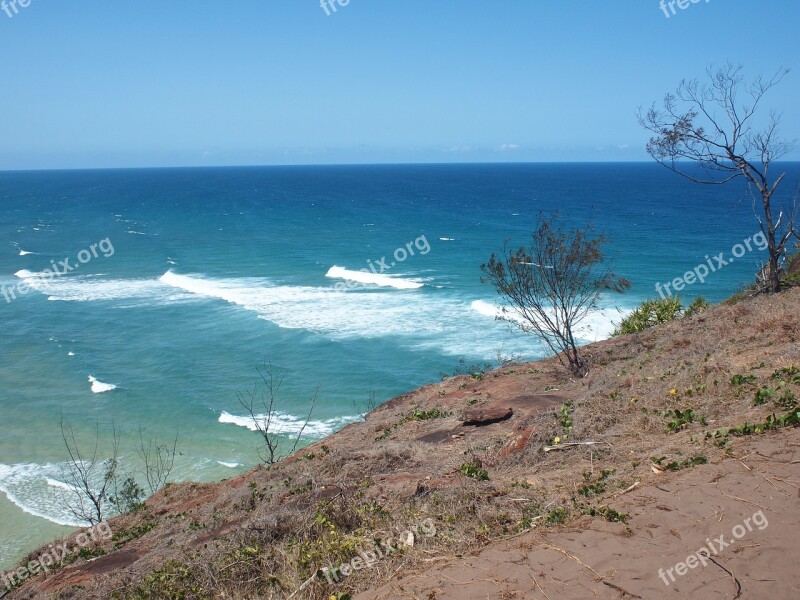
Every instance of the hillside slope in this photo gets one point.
(448, 491)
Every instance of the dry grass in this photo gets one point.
(267, 532)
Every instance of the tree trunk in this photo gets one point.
(774, 282)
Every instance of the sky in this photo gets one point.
(100, 84)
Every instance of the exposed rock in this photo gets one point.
(518, 444)
(438, 437)
(487, 415)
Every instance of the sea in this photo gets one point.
(150, 301)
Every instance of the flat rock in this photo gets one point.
(437, 437)
(478, 417)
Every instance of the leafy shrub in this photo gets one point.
(697, 306)
(592, 490)
(680, 419)
(787, 374)
(787, 401)
(426, 415)
(650, 313)
(129, 497)
(473, 469)
(609, 514)
(790, 277)
(763, 394)
(557, 516)
(677, 466)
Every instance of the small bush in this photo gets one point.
(609, 514)
(474, 470)
(426, 415)
(763, 395)
(557, 516)
(787, 374)
(790, 277)
(650, 313)
(697, 306)
(743, 379)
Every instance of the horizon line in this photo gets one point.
(339, 165)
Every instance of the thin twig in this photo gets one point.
(729, 572)
(572, 557)
(743, 500)
(569, 444)
(629, 489)
(305, 584)
(619, 589)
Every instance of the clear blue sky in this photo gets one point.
(101, 83)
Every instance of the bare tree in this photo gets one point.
(706, 125)
(158, 460)
(262, 406)
(89, 479)
(553, 285)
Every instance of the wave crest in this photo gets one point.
(367, 278)
(286, 424)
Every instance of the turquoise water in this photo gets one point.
(188, 279)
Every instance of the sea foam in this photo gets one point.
(89, 288)
(98, 387)
(421, 321)
(229, 465)
(286, 424)
(369, 278)
(597, 325)
(35, 490)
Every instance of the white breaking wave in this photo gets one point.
(286, 424)
(36, 490)
(368, 278)
(598, 325)
(425, 321)
(230, 465)
(446, 239)
(437, 320)
(87, 288)
(98, 387)
(56, 483)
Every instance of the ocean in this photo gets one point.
(174, 286)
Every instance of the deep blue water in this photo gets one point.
(199, 275)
